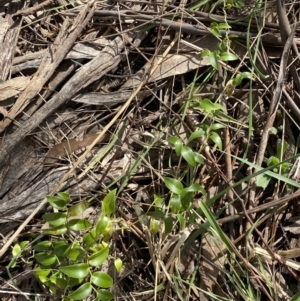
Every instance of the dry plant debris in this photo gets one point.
(90, 94)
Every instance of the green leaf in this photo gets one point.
(99, 257)
(76, 254)
(223, 26)
(174, 185)
(41, 272)
(273, 161)
(228, 56)
(217, 126)
(60, 248)
(238, 79)
(204, 53)
(102, 224)
(296, 297)
(195, 187)
(188, 155)
(175, 203)
(198, 158)
(102, 279)
(78, 224)
(79, 270)
(90, 238)
(168, 224)
(186, 200)
(82, 292)
(215, 137)
(213, 59)
(43, 246)
(181, 220)
(118, 264)
(177, 144)
(58, 230)
(209, 106)
(178, 147)
(215, 31)
(56, 202)
(262, 181)
(61, 283)
(23, 244)
(104, 295)
(158, 201)
(109, 203)
(64, 196)
(196, 134)
(78, 209)
(154, 226)
(45, 259)
(56, 218)
(16, 250)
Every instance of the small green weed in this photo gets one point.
(69, 260)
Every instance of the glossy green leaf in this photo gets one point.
(175, 203)
(217, 126)
(41, 272)
(188, 155)
(78, 224)
(177, 144)
(56, 202)
(60, 247)
(215, 137)
(208, 106)
(204, 53)
(99, 257)
(215, 31)
(82, 292)
(23, 244)
(213, 59)
(198, 158)
(45, 259)
(16, 250)
(102, 224)
(79, 270)
(43, 246)
(195, 187)
(196, 134)
(104, 295)
(61, 283)
(55, 218)
(102, 279)
(223, 26)
(109, 203)
(228, 56)
(118, 264)
(154, 226)
(78, 209)
(76, 254)
(181, 220)
(57, 230)
(178, 147)
(174, 185)
(75, 281)
(90, 237)
(64, 196)
(238, 79)
(108, 231)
